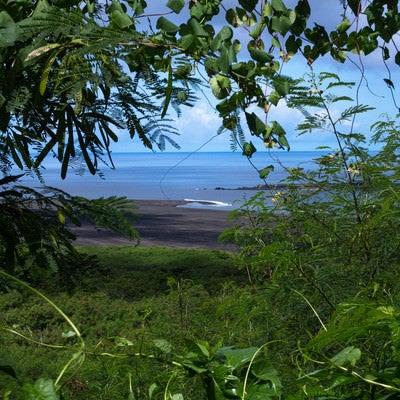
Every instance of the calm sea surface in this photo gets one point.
(177, 176)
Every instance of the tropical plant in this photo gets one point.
(70, 106)
(349, 200)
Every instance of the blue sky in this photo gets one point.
(198, 125)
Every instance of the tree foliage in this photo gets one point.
(74, 73)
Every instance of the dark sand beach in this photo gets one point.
(162, 223)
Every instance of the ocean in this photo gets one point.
(203, 179)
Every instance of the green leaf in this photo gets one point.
(203, 347)
(256, 126)
(258, 30)
(230, 122)
(282, 85)
(282, 140)
(235, 358)
(267, 10)
(152, 389)
(7, 369)
(281, 24)
(177, 396)
(46, 72)
(68, 334)
(248, 149)
(397, 58)
(224, 61)
(248, 5)
(339, 55)
(348, 356)
(261, 392)
(122, 342)
(389, 83)
(343, 26)
(166, 25)
(187, 41)
(163, 345)
(278, 5)
(354, 5)
(274, 98)
(220, 86)
(176, 5)
(42, 389)
(41, 50)
(41, 6)
(225, 33)
(264, 370)
(168, 92)
(263, 173)
(275, 43)
(341, 98)
(196, 28)
(259, 55)
(121, 19)
(8, 29)
(61, 216)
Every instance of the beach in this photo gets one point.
(165, 223)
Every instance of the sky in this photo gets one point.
(198, 126)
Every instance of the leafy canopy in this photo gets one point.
(73, 74)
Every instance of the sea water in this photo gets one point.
(203, 179)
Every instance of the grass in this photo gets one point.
(142, 294)
(135, 272)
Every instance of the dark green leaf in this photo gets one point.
(176, 5)
(168, 90)
(282, 85)
(259, 55)
(166, 25)
(264, 370)
(248, 149)
(231, 17)
(341, 98)
(248, 5)
(187, 41)
(7, 369)
(293, 44)
(230, 122)
(282, 140)
(355, 6)
(256, 126)
(397, 58)
(45, 151)
(196, 28)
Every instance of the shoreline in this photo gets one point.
(165, 223)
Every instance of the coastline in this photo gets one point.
(165, 223)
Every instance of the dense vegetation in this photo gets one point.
(307, 309)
